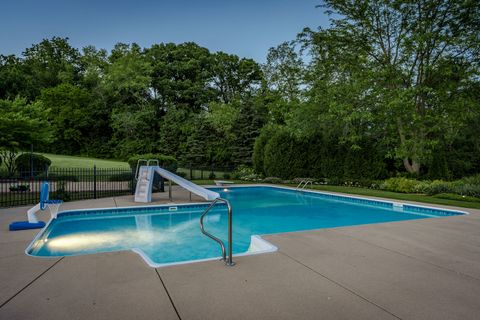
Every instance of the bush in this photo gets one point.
(20, 188)
(284, 154)
(181, 174)
(123, 176)
(61, 193)
(63, 177)
(403, 185)
(58, 177)
(439, 186)
(245, 173)
(40, 163)
(226, 175)
(167, 162)
(259, 149)
(475, 180)
(274, 180)
(211, 176)
(468, 186)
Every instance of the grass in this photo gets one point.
(401, 196)
(62, 161)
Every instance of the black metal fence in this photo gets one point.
(205, 172)
(68, 184)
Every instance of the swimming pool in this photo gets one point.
(168, 234)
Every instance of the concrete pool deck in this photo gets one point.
(418, 269)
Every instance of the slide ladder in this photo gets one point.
(143, 190)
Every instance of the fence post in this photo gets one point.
(133, 182)
(94, 181)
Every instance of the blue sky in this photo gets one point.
(247, 28)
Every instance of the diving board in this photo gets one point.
(143, 191)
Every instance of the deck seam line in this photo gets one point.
(168, 294)
(31, 282)
(409, 256)
(340, 285)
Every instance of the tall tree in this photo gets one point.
(412, 62)
(21, 125)
(51, 62)
(234, 78)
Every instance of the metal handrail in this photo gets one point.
(228, 260)
(147, 162)
(138, 167)
(153, 161)
(304, 183)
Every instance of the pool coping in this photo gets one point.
(263, 245)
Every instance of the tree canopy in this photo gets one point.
(390, 87)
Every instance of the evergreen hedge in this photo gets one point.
(167, 162)
(279, 153)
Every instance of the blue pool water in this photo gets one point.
(165, 236)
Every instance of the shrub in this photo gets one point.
(211, 176)
(122, 176)
(40, 163)
(272, 180)
(439, 186)
(20, 188)
(259, 149)
(181, 174)
(167, 162)
(61, 193)
(285, 156)
(468, 186)
(63, 177)
(226, 175)
(246, 173)
(475, 180)
(400, 184)
(54, 176)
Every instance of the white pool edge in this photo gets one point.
(259, 246)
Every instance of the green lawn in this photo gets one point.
(61, 161)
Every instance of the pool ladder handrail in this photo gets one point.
(147, 163)
(228, 260)
(304, 183)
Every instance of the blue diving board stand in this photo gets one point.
(33, 222)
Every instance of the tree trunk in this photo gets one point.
(411, 166)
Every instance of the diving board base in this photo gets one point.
(25, 225)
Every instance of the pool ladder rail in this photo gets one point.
(228, 259)
(303, 184)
